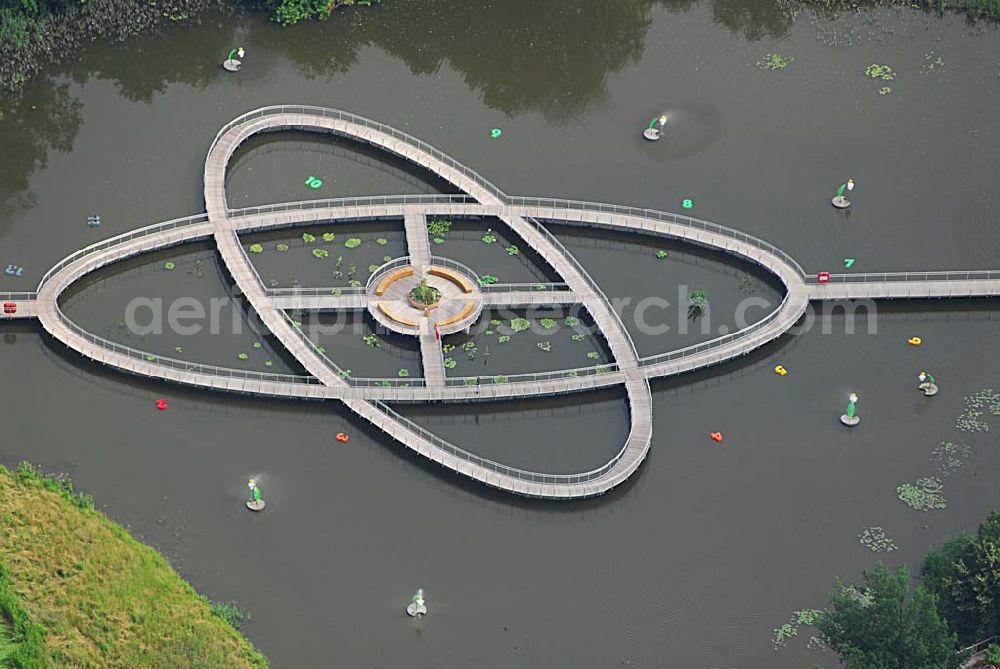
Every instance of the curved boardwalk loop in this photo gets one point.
(459, 308)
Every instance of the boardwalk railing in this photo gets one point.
(18, 296)
(522, 474)
(345, 202)
(714, 343)
(523, 287)
(183, 365)
(552, 239)
(121, 239)
(655, 214)
(300, 291)
(883, 277)
(398, 135)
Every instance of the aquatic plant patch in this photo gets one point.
(489, 237)
(512, 250)
(487, 280)
(924, 495)
(547, 323)
(774, 62)
(321, 253)
(256, 248)
(578, 337)
(329, 236)
(544, 345)
(169, 265)
(308, 238)
(352, 243)
(883, 72)
(372, 341)
(571, 321)
(876, 540)
(971, 418)
(381, 241)
(281, 247)
(661, 254)
(449, 363)
(950, 456)
(438, 227)
(519, 324)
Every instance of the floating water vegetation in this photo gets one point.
(178, 349)
(495, 322)
(512, 250)
(593, 355)
(774, 62)
(519, 324)
(503, 339)
(438, 227)
(449, 363)
(472, 381)
(372, 341)
(372, 268)
(876, 540)
(489, 237)
(242, 356)
(169, 265)
(257, 344)
(500, 378)
(354, 283)
(783, 634)
(547, 323)
(438, 240)
(321, 253)
(883, 72)
(661, 254)
(448, 348)
(932, 62)
(950, 456)
(578, 337)
(281, 246)
(386, 258)
(307, 238)
(487, 280)
(329, 236)
(256, 248)
(925, 495)
(885, 90)
(571, 321)
(381, 241)
(697, 302)
(268, 363)
(403, 373)
(970, 420)
(352, 243)
(544, 345)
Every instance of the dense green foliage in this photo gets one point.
(964, 575)
(76, 590)
(882, 624)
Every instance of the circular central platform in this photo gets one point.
(457, 309)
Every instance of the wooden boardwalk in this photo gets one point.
(522, 215)
(431, 355)
(418, 247)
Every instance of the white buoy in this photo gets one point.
(231, 64)
(849, 421)
(652, 134)
(841, 202)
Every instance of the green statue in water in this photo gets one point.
(850, 417)
(928, 384)
(840, 199)
(256, 502)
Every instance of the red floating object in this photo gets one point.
(342, 438)
(161, 405)
(823, 277)
(715, 436)
(9, 308)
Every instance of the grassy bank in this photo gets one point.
(76, 590)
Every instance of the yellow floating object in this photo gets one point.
(914, 341)
(780, 371)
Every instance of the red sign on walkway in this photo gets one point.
(9, 308)
(823, 277)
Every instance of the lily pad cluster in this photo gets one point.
(924, 495)
(876, 540)
(971, 419)
(950, 456)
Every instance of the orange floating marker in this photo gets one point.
(161, 404)
(342, 438)
(715, 436)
